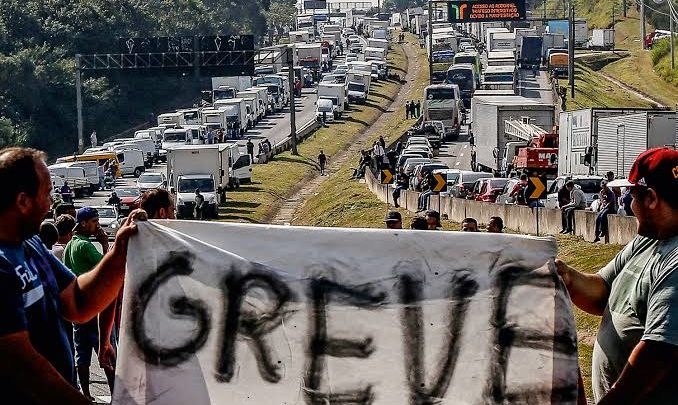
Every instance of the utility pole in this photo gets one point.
(78, 96)
(624, 7)
(289, 52)
(643, 34)
(544, 9)
(431, 13)
(673, 41)
(570, 51)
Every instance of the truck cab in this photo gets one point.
(171, 119)
(223, 93)
(464, 76)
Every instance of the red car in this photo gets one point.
(488, 189)
(129, 199)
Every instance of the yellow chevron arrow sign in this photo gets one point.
(386, 176)
(441, 182)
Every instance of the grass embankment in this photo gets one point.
(277, 180)
(594, 90)
(341, 202)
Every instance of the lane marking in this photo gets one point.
(465, 146)
(457, 164)
(462, 155)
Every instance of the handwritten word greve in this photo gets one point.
(321, 292)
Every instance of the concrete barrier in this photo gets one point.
(518, 218)
(622, 229)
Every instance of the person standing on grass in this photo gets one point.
(636, 350)
(250, 148)
(37, 359)
(417, 108)
(407, 110)
(322, 161)
(81, 256)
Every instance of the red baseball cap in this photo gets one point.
(656, 168)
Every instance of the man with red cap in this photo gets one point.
(636, 350)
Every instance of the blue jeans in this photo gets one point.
(601, 221)
(86, 339)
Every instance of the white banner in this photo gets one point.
(219, 313)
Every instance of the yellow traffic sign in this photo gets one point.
(536, 188)
(441, 182)
(386, 176)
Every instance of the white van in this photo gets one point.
(131, 160)
(91, 173)
(147, 147)
(74, 176)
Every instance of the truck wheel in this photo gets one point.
(137, 172)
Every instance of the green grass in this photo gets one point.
(594, 90)
(341, 202)
(277, 180)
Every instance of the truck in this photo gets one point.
(489, 134)
(580, 136)
(524, 32)
(191, 115)
(357, 91)
(223, 93)
(378, 43)
(361, 76)
(147, 146)
(530, 51)
(197, 167)
(501, 58)
(551, 41)
(238, 83)
(309, 55)
(258, 102)
(374, 54)
(171, 119)
(442, 42)
(299, 36)
(602, 39)
(155, 135)
(379, 33)
(581, 30)
(559, 64)
(443, 102)
(283, 83)
(534, 153)
(489, 32)
(73, 176)
(502, 41)
(465, 76)
(336, 93)
(500, 78)
(236, 113)
(214, 118)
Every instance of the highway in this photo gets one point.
(275, 127)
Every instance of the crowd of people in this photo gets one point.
(59, 295)
(412, 109)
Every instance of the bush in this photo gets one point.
(660, 49)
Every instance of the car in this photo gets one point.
(342, 66)
(130, 199)
(411, 163)
(487, 189)
(351, 59)
(590, 185)
(464, 183)
(421, 170)
(419, 141)
(419, 149)
(109, 219)
(353, 38)
(404, 156)
(504, 196)
(418, 153)
(340, 72)
(150, 180)
(451, 176)
(324, 107)
(329, 78)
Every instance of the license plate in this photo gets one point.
(124, 206)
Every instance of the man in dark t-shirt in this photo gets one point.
(37, 292)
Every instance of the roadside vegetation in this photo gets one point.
(272, 183)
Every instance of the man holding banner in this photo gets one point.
(37, 291)
(635, 354)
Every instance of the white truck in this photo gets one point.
(378, 43)
(602, 39)
(155, 135)
(240, 164)
(131, 160)
(489, 132)
(489, 32)
(309, 55)
(283, 83)
(501, 58)
(335, 92)
(256, 102)
(73, 176)
(174, 137)
(147, 146)
(299, 36)
(239, 83)
(502, 41)
(198, 167)
(442, 102)
(374, 54)
(362, 77)
(214, 118)
(236, 112)
(171, 119)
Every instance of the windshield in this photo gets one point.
(273, 90)
(356, 87)
(589, 186)
(440, 94)
(175, 137)
(499, 77)
(452, 178)
(499, 183)
(190, 115)
(127, 192)
(205, 185)
(461, 77)
(106, 212)
(222, 94)
(150, 178)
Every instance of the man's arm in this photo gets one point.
(26, 371)
(106, 351)
(93, 291)
(589, 292)
(647, 367)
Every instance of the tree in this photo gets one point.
(280, 14)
